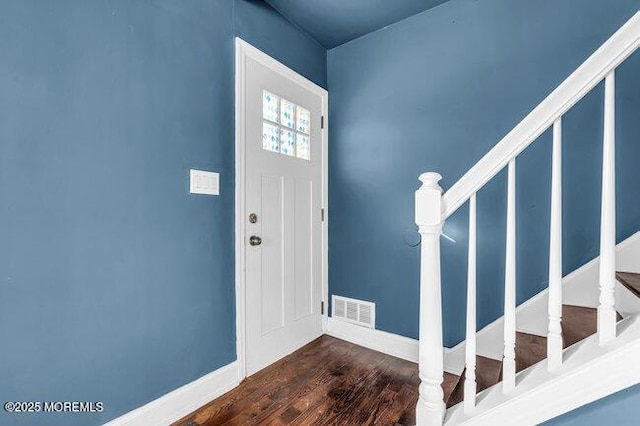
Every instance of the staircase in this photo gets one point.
(584, 352)
(578, 323)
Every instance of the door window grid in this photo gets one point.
(286, 127)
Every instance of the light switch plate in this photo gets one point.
(202, 182)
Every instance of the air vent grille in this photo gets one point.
(338, 308)
(354, 311)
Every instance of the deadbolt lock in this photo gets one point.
(253, 218)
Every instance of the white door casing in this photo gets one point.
(280, 283)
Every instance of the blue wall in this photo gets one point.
(116, 285)
(620, 409)
(434, 93)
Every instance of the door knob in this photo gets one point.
(254, 240)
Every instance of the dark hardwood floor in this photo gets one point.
(327, 382)
(333, 382)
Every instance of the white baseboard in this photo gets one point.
(580, 288)
(184, 400)
(381, 341)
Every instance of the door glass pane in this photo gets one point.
(270, 104)
(302, 147)
(288, 142)
(286, 127)
(270, 139)
(287, 113)
(303, 117)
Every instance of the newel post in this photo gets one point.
(430, 408)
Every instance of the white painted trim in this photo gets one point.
(247, 50)
(589, 372)
(325, 206)
(182, 401)
(378, 340)
(240, 209)
(578, 290)
(243, 51)
(607, 58)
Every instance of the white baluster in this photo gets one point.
(430, 407)
(606, 309)
(554, 337)
(509, 359)
(470, 386)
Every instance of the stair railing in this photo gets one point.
(433, 208)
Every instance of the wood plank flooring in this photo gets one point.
(327, 382)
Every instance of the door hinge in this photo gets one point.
(322, 215)
(321, 308)
(322, 121)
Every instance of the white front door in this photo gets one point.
(283, 224)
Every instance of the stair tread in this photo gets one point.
(630, 280)
(578, 322)
(488, 373)
(449, 385)
(530, 350)
(458, 392)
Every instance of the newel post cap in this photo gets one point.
(430, 180)
(429, 202)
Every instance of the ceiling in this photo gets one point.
(334, 22)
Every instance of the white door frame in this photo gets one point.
(243, 51)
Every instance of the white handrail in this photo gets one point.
(611, 54)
